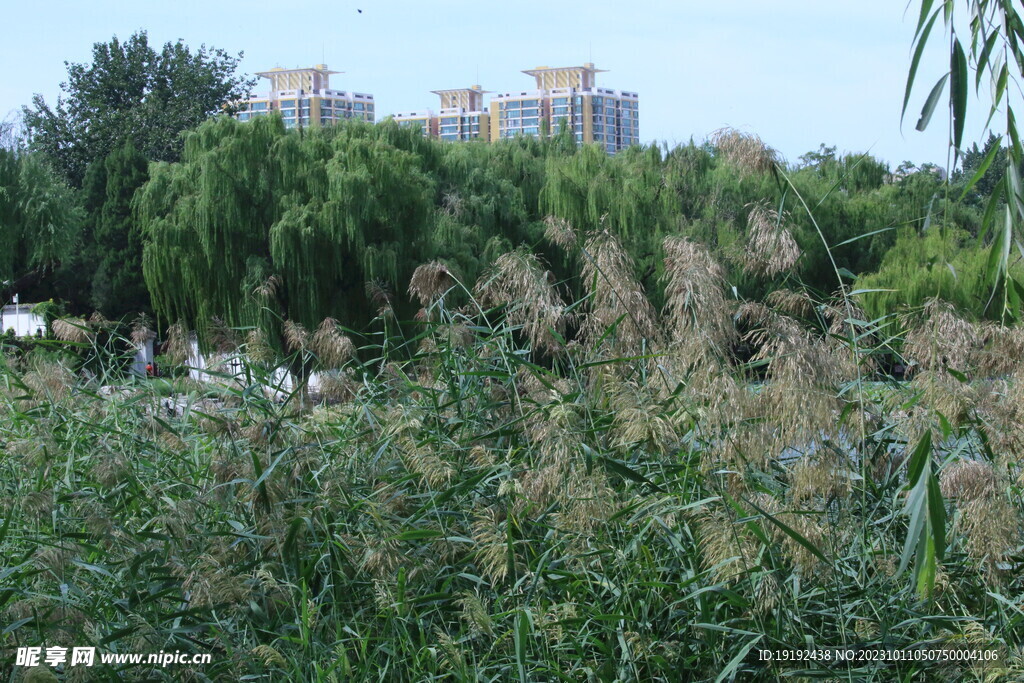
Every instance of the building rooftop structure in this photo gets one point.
(304, 98)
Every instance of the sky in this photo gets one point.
(797, 73)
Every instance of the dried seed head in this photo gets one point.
(617, 300)
(269, 656)
(519, 281)
(430, 281)
(177, 349)
(798, 304)
(331, 346)
(746, 151)
(695, 294)
(559, 231)
(480, 457)
(295, 336)
(451, 204)
(73, 330)
(223, 338)
(726, 548)
(1000, 349)
(379, 293)
(968, 480)
(818, 477)
(257, 348)
(770, 249)
(991, 527)
(337, 386)
(141, 331)
(268, 288)
(97, 321)
(942, 339)
(475, 614)
(495, 557)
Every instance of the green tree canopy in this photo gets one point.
(132, 92)
(39, 220)
(113, 254)
(259, 221)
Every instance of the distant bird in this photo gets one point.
(360, 11)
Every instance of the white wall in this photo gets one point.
(231, 364)
(21, 318)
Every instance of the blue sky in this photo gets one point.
(798, 73)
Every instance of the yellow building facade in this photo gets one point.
(461, 116)
(304, 98)
(569, 96)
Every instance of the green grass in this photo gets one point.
(471, 515)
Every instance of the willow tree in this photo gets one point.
(39, 221)
(258, 225)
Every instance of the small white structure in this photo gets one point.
(143, 355)
(221, 368)
(21, 319)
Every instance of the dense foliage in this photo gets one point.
(986, 45)
(39, 221)
(112, 260)
(511, 411)
(132, 92)
(258, 225)
(648, 505)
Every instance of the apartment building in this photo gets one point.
(568, 96)
(563, 96)
(461, 116)
(304, 98)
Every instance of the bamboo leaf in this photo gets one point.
(626, 472)
(937, 516)
(929, 105)
(792, 533)
(735, 662)
(918, 459)
(922, 40)
(983, 58)
(917, 502)
(958, 92)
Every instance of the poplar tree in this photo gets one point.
(131, 91)
(116, 286)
